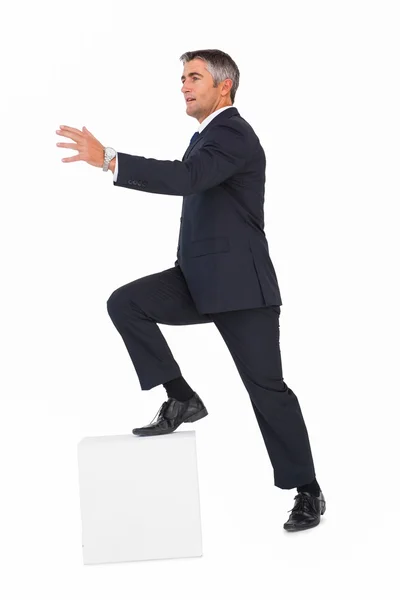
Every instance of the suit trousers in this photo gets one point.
(252, 337)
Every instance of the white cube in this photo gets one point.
(139, 497)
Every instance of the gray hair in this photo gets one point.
(219, 64)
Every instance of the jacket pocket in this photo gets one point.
(209, 246)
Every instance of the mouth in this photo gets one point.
(190, 100)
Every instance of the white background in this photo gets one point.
(319, 85)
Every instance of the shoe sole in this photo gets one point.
(199, 415)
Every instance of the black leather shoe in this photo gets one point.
(306, 511)
(173, 413)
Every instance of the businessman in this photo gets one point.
(223, 274)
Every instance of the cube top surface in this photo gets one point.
(109, 439)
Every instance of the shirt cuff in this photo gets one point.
(116, 168)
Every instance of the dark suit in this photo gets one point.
(223, 274)
(222, 251)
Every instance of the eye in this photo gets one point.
(195, 77)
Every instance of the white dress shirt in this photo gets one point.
(199, 129)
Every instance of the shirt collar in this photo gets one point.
(210, 118)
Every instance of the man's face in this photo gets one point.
(197, 83)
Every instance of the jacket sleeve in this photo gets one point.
(220, 157)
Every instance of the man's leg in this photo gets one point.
(252, 337)
(137, 307)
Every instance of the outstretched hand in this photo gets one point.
(88, 147)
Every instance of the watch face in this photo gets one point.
(110, 153)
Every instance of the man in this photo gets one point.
(223, 273)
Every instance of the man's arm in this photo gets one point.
(218, 159)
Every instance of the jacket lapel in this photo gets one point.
(190, 148)
(220, 117)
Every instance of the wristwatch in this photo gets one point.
(109, 154)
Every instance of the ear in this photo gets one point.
(226, 86)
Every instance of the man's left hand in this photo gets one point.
(88, 147)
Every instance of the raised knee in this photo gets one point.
(114, 302)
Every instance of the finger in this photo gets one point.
(72, 158)
(69, 134)
(67, 128)
(86, 130)
(65, 145)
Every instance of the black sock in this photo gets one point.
(178, 388)
(313, 488)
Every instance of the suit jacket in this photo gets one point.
(222, 248)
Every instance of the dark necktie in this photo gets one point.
(194, 138)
